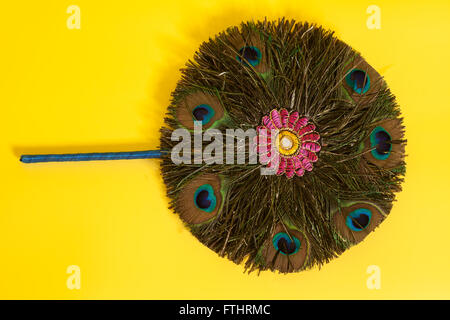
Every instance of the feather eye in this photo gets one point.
(204, 198)
(286, 250)
(249, 49)
(199, 106)
(358, 80)
(200, 200)
(355, 221)
(361, 81)
(203, 113)
(386, 144)
(249, 55)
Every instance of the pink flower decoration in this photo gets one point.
(288, 142)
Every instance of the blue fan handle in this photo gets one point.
(148, 154)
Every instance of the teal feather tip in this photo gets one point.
(380, 141)
(286, 244)
(251, 54)
(204, 198)
(358, 80)
(203, 113)
(358, 219)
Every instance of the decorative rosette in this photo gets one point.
(288, 143)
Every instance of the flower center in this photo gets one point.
(287, 142)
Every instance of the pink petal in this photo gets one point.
(289, 164)
(263, 131)
(307, 129)
(306, 164)
(311, 137)
(284, 117)
(281, 166)
(261, 149)
(313, 157)
(292, 119)
(297, 162)
(309, 155)
(303, 165)
(263, 140)
(290, 168)
(300, 172)
(275, 116)
(300, 123)
(267, 122)
(290, 174)
(274, 162)
(265, 148)
(264, 158)
(311, 146)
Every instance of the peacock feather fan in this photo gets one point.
(339, 135)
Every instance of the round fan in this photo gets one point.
(282, 147)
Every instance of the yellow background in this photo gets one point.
(106, 86)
